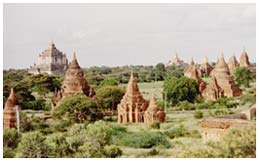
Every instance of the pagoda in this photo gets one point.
(206, 68)
(10, 118)
(244, 60)
(213, 91)
(232, 64)
(154, 113)
(132, 106)
(224, 79)
(74, 83)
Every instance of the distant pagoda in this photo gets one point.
(51, 61)
(132, 106)
(244, 60)
(206, 68)
(176, 61)
(224, 79)
(193, 73)
(232, 64)
(9, 113)
(74, 83)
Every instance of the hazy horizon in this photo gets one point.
(128, 34)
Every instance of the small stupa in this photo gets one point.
(232, 64)
(132, 106)
(9, 113)
(224, 79)
(154, 113)
(244, 60)
(206, 68)
(193, 73)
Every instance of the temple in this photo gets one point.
(175, 61)
(10, 118)
(132, 106)
(206, 68)
(51, 61)
(232, 64)
(192, 72)
(74, 83)
(213, 91)
(154, 113)
(224, 79)
(244, 60)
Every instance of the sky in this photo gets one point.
(128, 34)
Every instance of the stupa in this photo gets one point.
(132, 106)
(224, 79)
(213, 91)
(206, 68)
(232, 64)
(10, 118)
(153, 113)
(192, 72)
(74, 83)
(176, 61)
(244, 60)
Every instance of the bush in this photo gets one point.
(112, 151)
(33, 145)
(185, 105)
(238, 143)
(155, 125)
(198, 115)
(180, 89)
(153, 152)
(8, 152)
(144, 140)
(176, 132)
(11, 138)
(242, 76)
(221, 112)
(77, 108)
(60, 146)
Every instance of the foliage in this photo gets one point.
(144, 140)
(238, 143)
(77, 108)
(155, 125)
(108, 82)
(8, 152)
(221, 112)
(198, 115)
(177, 132)
(33, 145)
(11, 138)
(180, 89)
(60, 146)
(25, 122)
(112, 151)
(110, 96)
(242, 76)
(185, 105)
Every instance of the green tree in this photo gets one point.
(180, 89)
(108, 82)
(60, 146)
(110, 96)
(160, 71)
(33, 145)
(242, 76)
(77, 108)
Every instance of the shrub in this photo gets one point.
(8, 152)
(11, 138)
(155, 125)
(198, 115)
(153, 152)
(242, 76)
(185, 105)
(112, 151)
(77, 108)
(221, 112)
(176, 132)
(144, 140)
(33, 145)
(60, 146)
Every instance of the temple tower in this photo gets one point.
(244, 60)
(132, 106)
(232, 64)
(224, 79)
(10, 118)
(206, 68)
